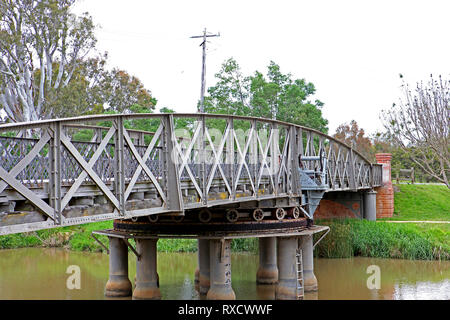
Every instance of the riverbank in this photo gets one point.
(78, 238)
(351, 237)
(410, 239)
(347, 238)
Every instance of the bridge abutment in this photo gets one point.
(146, 271)
(220, 272)
(118, 284)
(268, 271)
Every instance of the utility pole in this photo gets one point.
(203, 44)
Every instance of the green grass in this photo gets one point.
(421, 202)
(347, 237)
(351, 237)
(78, 238)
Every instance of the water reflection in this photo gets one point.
(37, 273)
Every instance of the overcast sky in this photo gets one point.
(353, 51)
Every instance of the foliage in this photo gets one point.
(420, 124)
(45, 34)
(274, 96)
(351, 237)
(401, 157)
(45, 71)
(354, 136)
(120, 91)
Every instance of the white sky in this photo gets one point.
(353, 51)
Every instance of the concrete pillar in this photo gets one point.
(204, 266)
(309, 279)
(220, 271)
(268, 270)
(118, 284)
(286, 288)
(197, 271)
(196, 274)
(146, 275)
(385, 194)
(370, 205)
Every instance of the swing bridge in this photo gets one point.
(79, 170)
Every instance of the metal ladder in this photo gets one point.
(300, 286)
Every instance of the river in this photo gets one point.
(38, 273)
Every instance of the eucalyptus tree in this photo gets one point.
(42, 44)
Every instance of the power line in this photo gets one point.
(203, 44)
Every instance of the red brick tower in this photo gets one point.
(385, 194)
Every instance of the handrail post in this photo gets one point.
(119, 177)
(170, 171)
(203, 160)
(230, 156)
(274, 153)
(351, 172)
(55, 171)
(295, 178)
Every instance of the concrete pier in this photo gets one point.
(118, 284)
(309, 279)
(370, 205)
(268, 271)
(286, 288)
(220, 271)
(146, 271)
(204, 266)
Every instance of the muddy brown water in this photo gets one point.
(37, 273)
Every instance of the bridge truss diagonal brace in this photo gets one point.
(86, 167)
(185, 157)
(217, 157)
(9, 178)
(27, 193)
(27, 159)
(90, 165)
(284, 157)
(142, 164)
(264, 164)
(242, 162)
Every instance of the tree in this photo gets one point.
(84, 94)
(420, 123)
(274, 96)
(39, 35)
(120, 91)
(353, 135)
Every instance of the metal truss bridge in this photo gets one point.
(78, 170)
